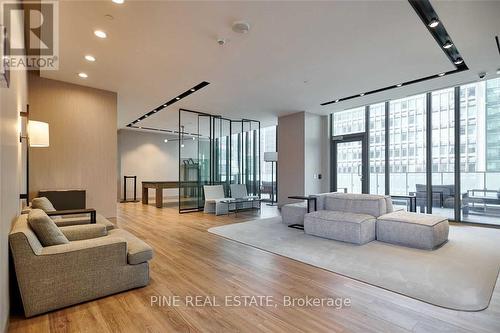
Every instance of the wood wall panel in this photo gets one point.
(83, 141)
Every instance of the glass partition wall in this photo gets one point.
(216, 151)
(441, 149)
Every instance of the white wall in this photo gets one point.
(316, 154)
(147, 156)
(12, 101)
(303, 154)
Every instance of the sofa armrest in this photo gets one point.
(86, 231)
(106, 245)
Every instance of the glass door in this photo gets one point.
(350, 168)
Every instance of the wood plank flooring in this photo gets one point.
(189, 261)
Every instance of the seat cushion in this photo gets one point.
(342, 226)
(421, 231)
(370, 204)
(45, 229)
(138, 251)
(42, 203)
(293, 213)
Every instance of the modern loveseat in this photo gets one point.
(362, 218)
(89, 262)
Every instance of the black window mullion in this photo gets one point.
(428, 138)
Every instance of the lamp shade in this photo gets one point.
(271, 156)
(38, 133)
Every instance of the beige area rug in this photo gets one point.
(461, 275)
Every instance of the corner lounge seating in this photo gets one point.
(214, 194)
(347, 217)
(361, 218)
(91, 262)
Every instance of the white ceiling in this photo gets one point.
(296, 55)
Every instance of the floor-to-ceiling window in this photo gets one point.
(268, 144)
(407, 147)
(377, 148)
(480, 152)
(421, 159)
(443, 152)
(349, 153)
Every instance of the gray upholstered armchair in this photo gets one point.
(91, 262)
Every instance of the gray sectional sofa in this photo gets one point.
(362, 218)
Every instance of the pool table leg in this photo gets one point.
(159, 197)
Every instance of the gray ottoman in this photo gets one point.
(294, 213)
(413, 230)
(342, 226)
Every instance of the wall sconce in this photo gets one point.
(37, 136)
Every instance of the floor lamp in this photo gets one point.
(272, 157)
(37, 136)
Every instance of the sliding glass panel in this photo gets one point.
(443, 154)
(235, 149)
(349, 121)
(190, 194)
(480, 152)
(407, 144)
(377, 148)
(268, 174)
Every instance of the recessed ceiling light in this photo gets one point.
(433, 23)
(362, 94)
(441, 74)
(337, 100)
(140, 127)
(83, 75)
(100, 34)
(182, 145)
(458, 61)
(192, 89)
(166, 140)
(194, 138)
(399, 85)
(90, 58)
(447, 45)
(118, 1)
(164, 105)
(177, 98)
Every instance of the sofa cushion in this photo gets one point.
(42, 203)
(45, 229)
(137, 250)
(422, 231)
(370, 204)
(342, 226)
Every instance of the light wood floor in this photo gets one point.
(190, 261)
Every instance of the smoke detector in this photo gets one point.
(241, 27)
(221, 41)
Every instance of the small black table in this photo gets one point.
(411, 198)
(309, 198)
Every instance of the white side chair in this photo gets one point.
(239, 191)
(214, 194)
